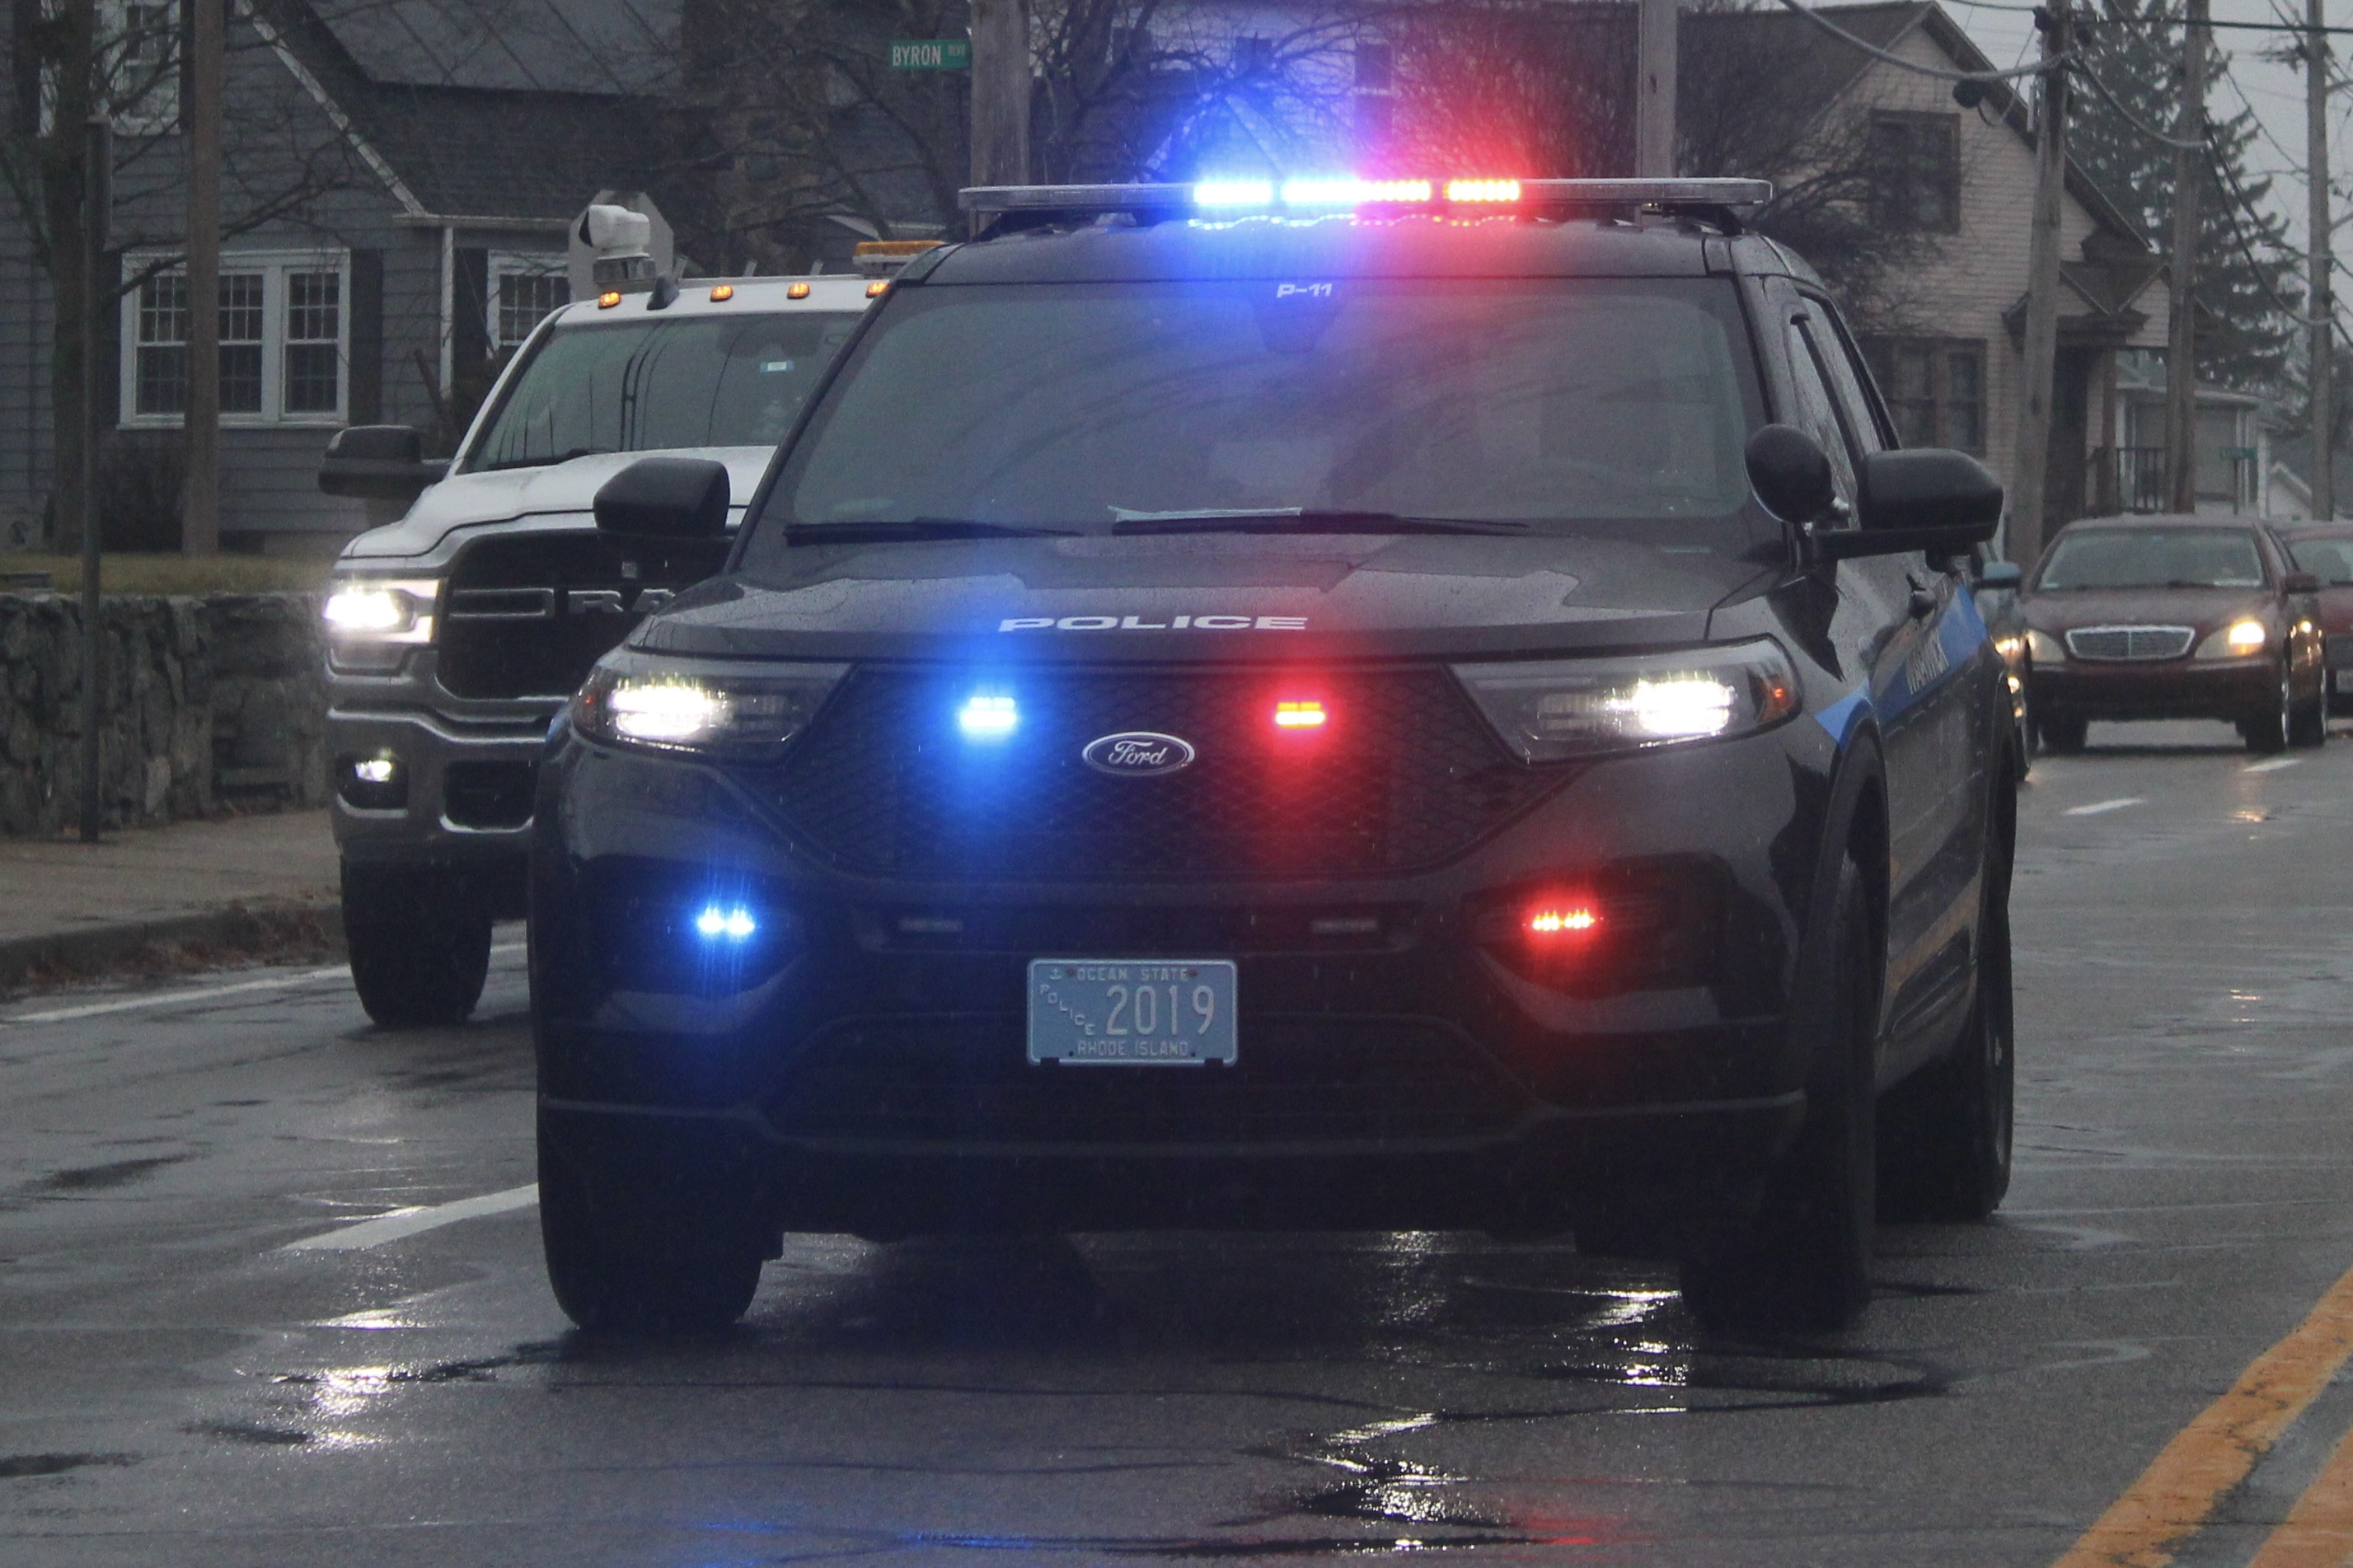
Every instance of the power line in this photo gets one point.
(2186, 144)
(2040, 68)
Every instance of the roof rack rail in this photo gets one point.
(1324, 195)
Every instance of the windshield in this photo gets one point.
(1087, 407)
(2154, 558)
(659, 385)
(2328, 559)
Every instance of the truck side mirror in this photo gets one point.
(666, 498)
(1791, 473)
(1928, 498)
(379, 462)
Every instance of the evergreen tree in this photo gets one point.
(2246, 277)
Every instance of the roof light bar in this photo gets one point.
(1321, 194)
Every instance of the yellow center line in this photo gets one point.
(2178, 1491)
(2318, 1531)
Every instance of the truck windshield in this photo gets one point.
(2154, 558)
(1125, 406)
(660, 385)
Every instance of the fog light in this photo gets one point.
(372, 783)
(735, 924)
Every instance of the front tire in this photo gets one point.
(2310, 726)
(689, 1277)
(419, 944)
(1946, 1131)
(2063, 733)
(2266, 732)
(1804, 1262)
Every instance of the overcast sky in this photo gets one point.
(2276, 92)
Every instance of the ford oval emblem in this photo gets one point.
(1137, 754)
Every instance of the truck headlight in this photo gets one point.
(382, 609)
(2045, 648)
(1575, 706)
(2241, 639)
(714, 707)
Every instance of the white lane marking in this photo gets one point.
(169, 998)
(2098, 806)
(2274, 765)
(403, 1223)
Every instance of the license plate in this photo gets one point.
(1125, 1012)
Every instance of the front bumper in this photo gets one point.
(2170, 689)
(862, 1065)
(467, 774)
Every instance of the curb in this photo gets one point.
(117, 944)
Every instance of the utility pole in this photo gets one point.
(2321, 264)
(97, 212)
(1655, 90)
(2029, 472)
(2188, 183)
(1001, 92)
(200, 513)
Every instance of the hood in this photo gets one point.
(1205, 596)
(2204, 608)
(513, 495)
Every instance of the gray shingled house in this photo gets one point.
(402, 177)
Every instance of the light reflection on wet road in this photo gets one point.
(175, 1388)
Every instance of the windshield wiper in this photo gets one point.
(550, 459)
(1304, 520)
(888, 530)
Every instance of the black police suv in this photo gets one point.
(1401, 706)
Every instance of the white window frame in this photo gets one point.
(516, 264)
(274, 266)
(156, 111)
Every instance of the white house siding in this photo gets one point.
(1981, 271)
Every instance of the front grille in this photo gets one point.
(1407, 774)
(529, 613)
(966, 1077)
(2129, 641)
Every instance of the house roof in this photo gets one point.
(620, 47)
(462, 147)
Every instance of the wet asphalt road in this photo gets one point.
(176, 1388)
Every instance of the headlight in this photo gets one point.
(720, 708)
(2238, 640)
(1574, 707)
(361, 609)
(2043, 648)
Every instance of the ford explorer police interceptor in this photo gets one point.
(1382, 704)
(457, 633)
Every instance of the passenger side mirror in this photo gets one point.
(1791, 473)
(2302, 583)
(1927, 499)
(379, 462)
(2001, 574)
(666, 498)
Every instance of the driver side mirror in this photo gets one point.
(2302, 583)
(379, 462)
(664, 498)
(2001, 574)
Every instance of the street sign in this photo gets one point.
(932, 55)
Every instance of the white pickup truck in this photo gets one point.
(456, 633)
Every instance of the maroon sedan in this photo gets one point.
(2174, 617)
(2325, 550)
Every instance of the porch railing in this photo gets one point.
(2134, 480)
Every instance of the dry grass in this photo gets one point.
(126, 573)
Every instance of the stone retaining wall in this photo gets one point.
(210, 702)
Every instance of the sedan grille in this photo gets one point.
(1407, 775)
(2129, 641)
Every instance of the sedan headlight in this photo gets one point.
(719, 708)
(381, 609)
(2240, 639)
(1575, 706)
(2045, 648)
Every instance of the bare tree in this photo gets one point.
(71, 60)
(803, 121)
